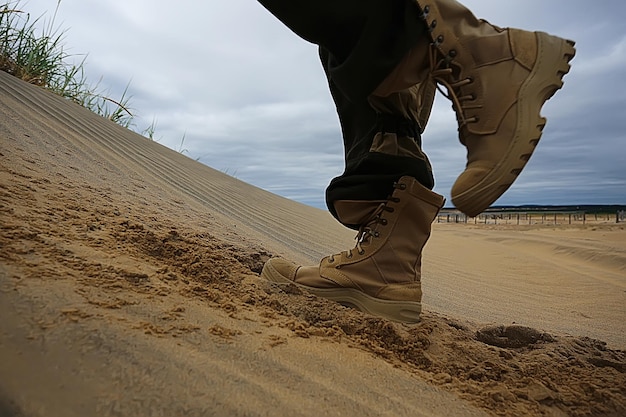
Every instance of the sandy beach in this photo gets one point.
(129, 285)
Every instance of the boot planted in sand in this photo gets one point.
(382, 274)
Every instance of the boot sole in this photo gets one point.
(402, 311)
(546, 78)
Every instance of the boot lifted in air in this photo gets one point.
(497, 80)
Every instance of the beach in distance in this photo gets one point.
(129, 285)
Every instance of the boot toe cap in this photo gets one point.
(279, 270)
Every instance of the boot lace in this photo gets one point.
(368, 229)
(443, 74)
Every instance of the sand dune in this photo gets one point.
(129, 286)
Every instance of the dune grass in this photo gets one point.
(37, 56)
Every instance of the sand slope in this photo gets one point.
(129, 286)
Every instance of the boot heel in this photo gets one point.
(553, 63)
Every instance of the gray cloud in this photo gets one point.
(251, 98)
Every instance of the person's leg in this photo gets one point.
(385, 190)
(385, 193)
(382, 143)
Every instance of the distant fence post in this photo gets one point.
(534, 217)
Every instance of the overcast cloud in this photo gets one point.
(251, 99)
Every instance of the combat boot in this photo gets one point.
(381, 275)
(497, 80)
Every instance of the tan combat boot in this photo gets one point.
(381, 275)
(498, 80)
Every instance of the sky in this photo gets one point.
(228, 84)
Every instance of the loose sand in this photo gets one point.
(129, 286)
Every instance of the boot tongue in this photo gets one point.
(355, 212)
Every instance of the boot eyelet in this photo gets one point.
(331, 260)
(426, 9)
(349, 255)
(440, 39)
(338, 267)
(402, 186)
(376, 234)
(452, 53)
(433, 24)
(384, 222)
(361, 252)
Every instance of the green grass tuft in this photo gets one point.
(39, 59)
